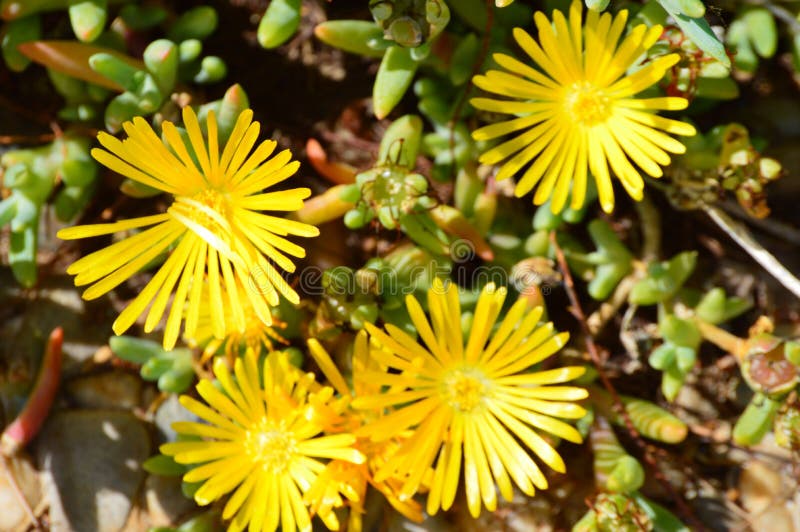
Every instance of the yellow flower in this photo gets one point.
(213, 224)
(261, 443)
(244, 330)
(345, 480)
(578, 109)
(475, 401)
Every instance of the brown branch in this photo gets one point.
(594, 353)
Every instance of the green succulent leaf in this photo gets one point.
(696, 28)
(136, 350)
(163, 465)
(395, 75)
(88, 18)
(279, 23)
(663, 520)
(355, 36)
(663, 279)
(755, 421)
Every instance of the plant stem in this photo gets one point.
(722, 339)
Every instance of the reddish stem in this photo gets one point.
(27, 424)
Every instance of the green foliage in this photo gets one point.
(756, 420)
(31, 175)
(164, 466)
(612, 258)
(88, 17)
(653, 421)
(17, 32)
(279, 23)
(197, 23)
(716, 308)
(78, 69)
(394, 77)
(663, 279)
(615, 470)
(753, 34)
(677, 355)
(688, 15)
(355, 36)
(172, 370)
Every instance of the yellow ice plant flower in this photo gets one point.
(261, 442)
(244, 329)
(345, 480)
(212, 230)
(476, 403)
(577, 111)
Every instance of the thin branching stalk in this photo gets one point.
(742, 236)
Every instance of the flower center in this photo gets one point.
(206, 213)
(271, 446)
(465, 389)
(587, 104)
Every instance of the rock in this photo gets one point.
(26, 319)
(169, 412)
(12, 515)
(759, 486)
(113, 389)
(166, 504)
(776, 517)
(91, 464)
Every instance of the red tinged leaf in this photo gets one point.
(27, 424)
(339, 173)
(72, 58)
